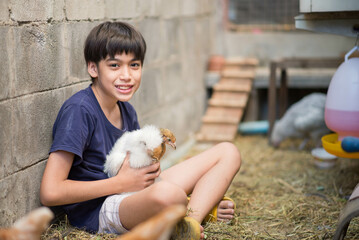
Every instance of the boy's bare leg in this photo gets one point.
(207, 176)
(148, 202)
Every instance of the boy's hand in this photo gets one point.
(135, 179)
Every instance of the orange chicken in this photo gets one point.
(29, 227)
(159, 227)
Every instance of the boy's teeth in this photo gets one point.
(123, 88)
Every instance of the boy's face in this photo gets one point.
(117, 78)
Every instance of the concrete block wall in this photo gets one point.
(42, 65)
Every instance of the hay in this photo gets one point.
(279, 193)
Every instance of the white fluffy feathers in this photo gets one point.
(138, 143)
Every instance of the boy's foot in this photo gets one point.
(187, 229)
(225, 210)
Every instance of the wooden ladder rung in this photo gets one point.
(232, 87)
(237, 73)
(226, 103)
(241, 61)
(219, 119)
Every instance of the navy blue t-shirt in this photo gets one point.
(82, 128)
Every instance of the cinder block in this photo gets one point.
(25, 10)
(173, 83)
(171, 9)
(4, 10)
(28, 121)
(171, 32)
(5, 67)
(76, 9)
(5, 138)
(123, 9)
(190, 37)
(150, 92)
(82, 10)
(190, 7)
(150, 8)
(32, 121)
(43, 61)
(209, 6)
(58, 10)
(76, 36)
(96, 9)
(205, 35)
(151, 31)
(19, 194)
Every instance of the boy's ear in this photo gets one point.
(92, 69)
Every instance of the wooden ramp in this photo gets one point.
(228, 101)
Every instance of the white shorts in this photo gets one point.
(109, 216)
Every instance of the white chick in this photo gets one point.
(145, 146)
(304, 119)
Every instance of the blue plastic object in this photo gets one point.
(350, 144)
(255, 127)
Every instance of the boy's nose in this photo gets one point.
(125, 74)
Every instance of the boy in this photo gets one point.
(86, 128)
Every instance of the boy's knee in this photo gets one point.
(232, 154)
(165, 194)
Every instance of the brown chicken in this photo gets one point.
(29, 227)
(158, 227)
(167, 138)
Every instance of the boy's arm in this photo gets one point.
(57, 189)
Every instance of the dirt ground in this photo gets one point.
(280, 194)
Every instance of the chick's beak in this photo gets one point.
(173, 145)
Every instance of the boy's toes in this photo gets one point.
(202, 232)
(225, 211)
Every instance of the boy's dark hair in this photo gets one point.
(111, 38)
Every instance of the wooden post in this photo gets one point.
(272, 96)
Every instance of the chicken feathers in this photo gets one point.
(29, 227)
(144, 145)
(304, 119)
(159, 227)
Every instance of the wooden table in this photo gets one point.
(283, 64)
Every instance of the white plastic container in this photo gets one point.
(323, 159)
(342, 103)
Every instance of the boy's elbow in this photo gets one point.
(48, 198)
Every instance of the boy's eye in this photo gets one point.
(114, 65)
(136, 65)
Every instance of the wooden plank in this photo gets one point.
(233, 87)
(223, 111)
(219, 119)
(226, 103)
(217, 132)
(240, 96)
(238, 68)
(214, 138)
(236, 80)
(239, 61)
(236, 73)
(309, 62)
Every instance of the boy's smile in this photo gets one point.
(117, 78)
